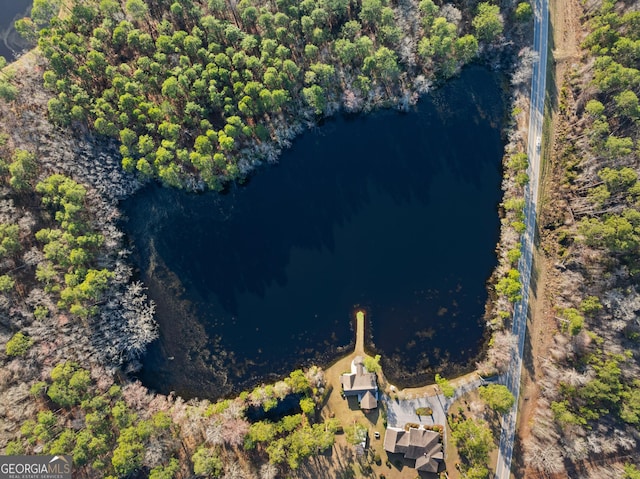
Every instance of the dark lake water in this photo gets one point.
(395, 213)
(10, 42)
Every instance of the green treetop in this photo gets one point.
(18, 345)
(498, 397)
(445, 386)
(473, 439)
(488, 22)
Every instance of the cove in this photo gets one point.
(394, 213)
(10, 42)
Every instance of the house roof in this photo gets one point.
(430, 463)
(419, 444)
(403, 442)
(368, 401)
(364, 381)
(392, 438)
(359, 379)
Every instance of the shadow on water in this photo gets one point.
(394, 213)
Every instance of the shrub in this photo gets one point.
(576, 320)
(590, 304)
(524, 12)
(14, 448)
(6, 283)
(513, 255)
(372, 364)
(519, 162)
(445, 386)
(522, 179)
(41, 312)
(510, 286)
(18, 345)
(37, 389)
(519, 226)
(424, 411)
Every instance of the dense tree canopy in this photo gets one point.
(187, 87)
(595, 371)
(69, 251)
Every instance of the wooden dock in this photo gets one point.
(359, 333)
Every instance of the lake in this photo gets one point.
(394, 213)
(11, 43)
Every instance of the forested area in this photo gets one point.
(78, 316)
(194, 94)
(200, 91)
(116, 431)
(588, 417)
(73, 322)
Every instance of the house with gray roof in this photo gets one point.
(416, 444)
(361, 383)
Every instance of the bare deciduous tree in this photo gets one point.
(136, 396)
(234, 411)
(281, 389)
(268, 471)
(233, 470)
(451, 13)
(214, 433)
(154, 454)
(500, 353)
(234, 431)
(546, 458)
(352, 101)
(315, 375)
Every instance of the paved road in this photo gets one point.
(512, 377)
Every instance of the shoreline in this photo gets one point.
(108, 197)
(478, 78)
(32, 58)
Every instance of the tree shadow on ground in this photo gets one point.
(551, 100)
(326, 397)
(517, 460)
(336, 463)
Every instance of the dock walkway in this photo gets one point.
(359, 349)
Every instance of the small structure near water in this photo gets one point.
(360, 382)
